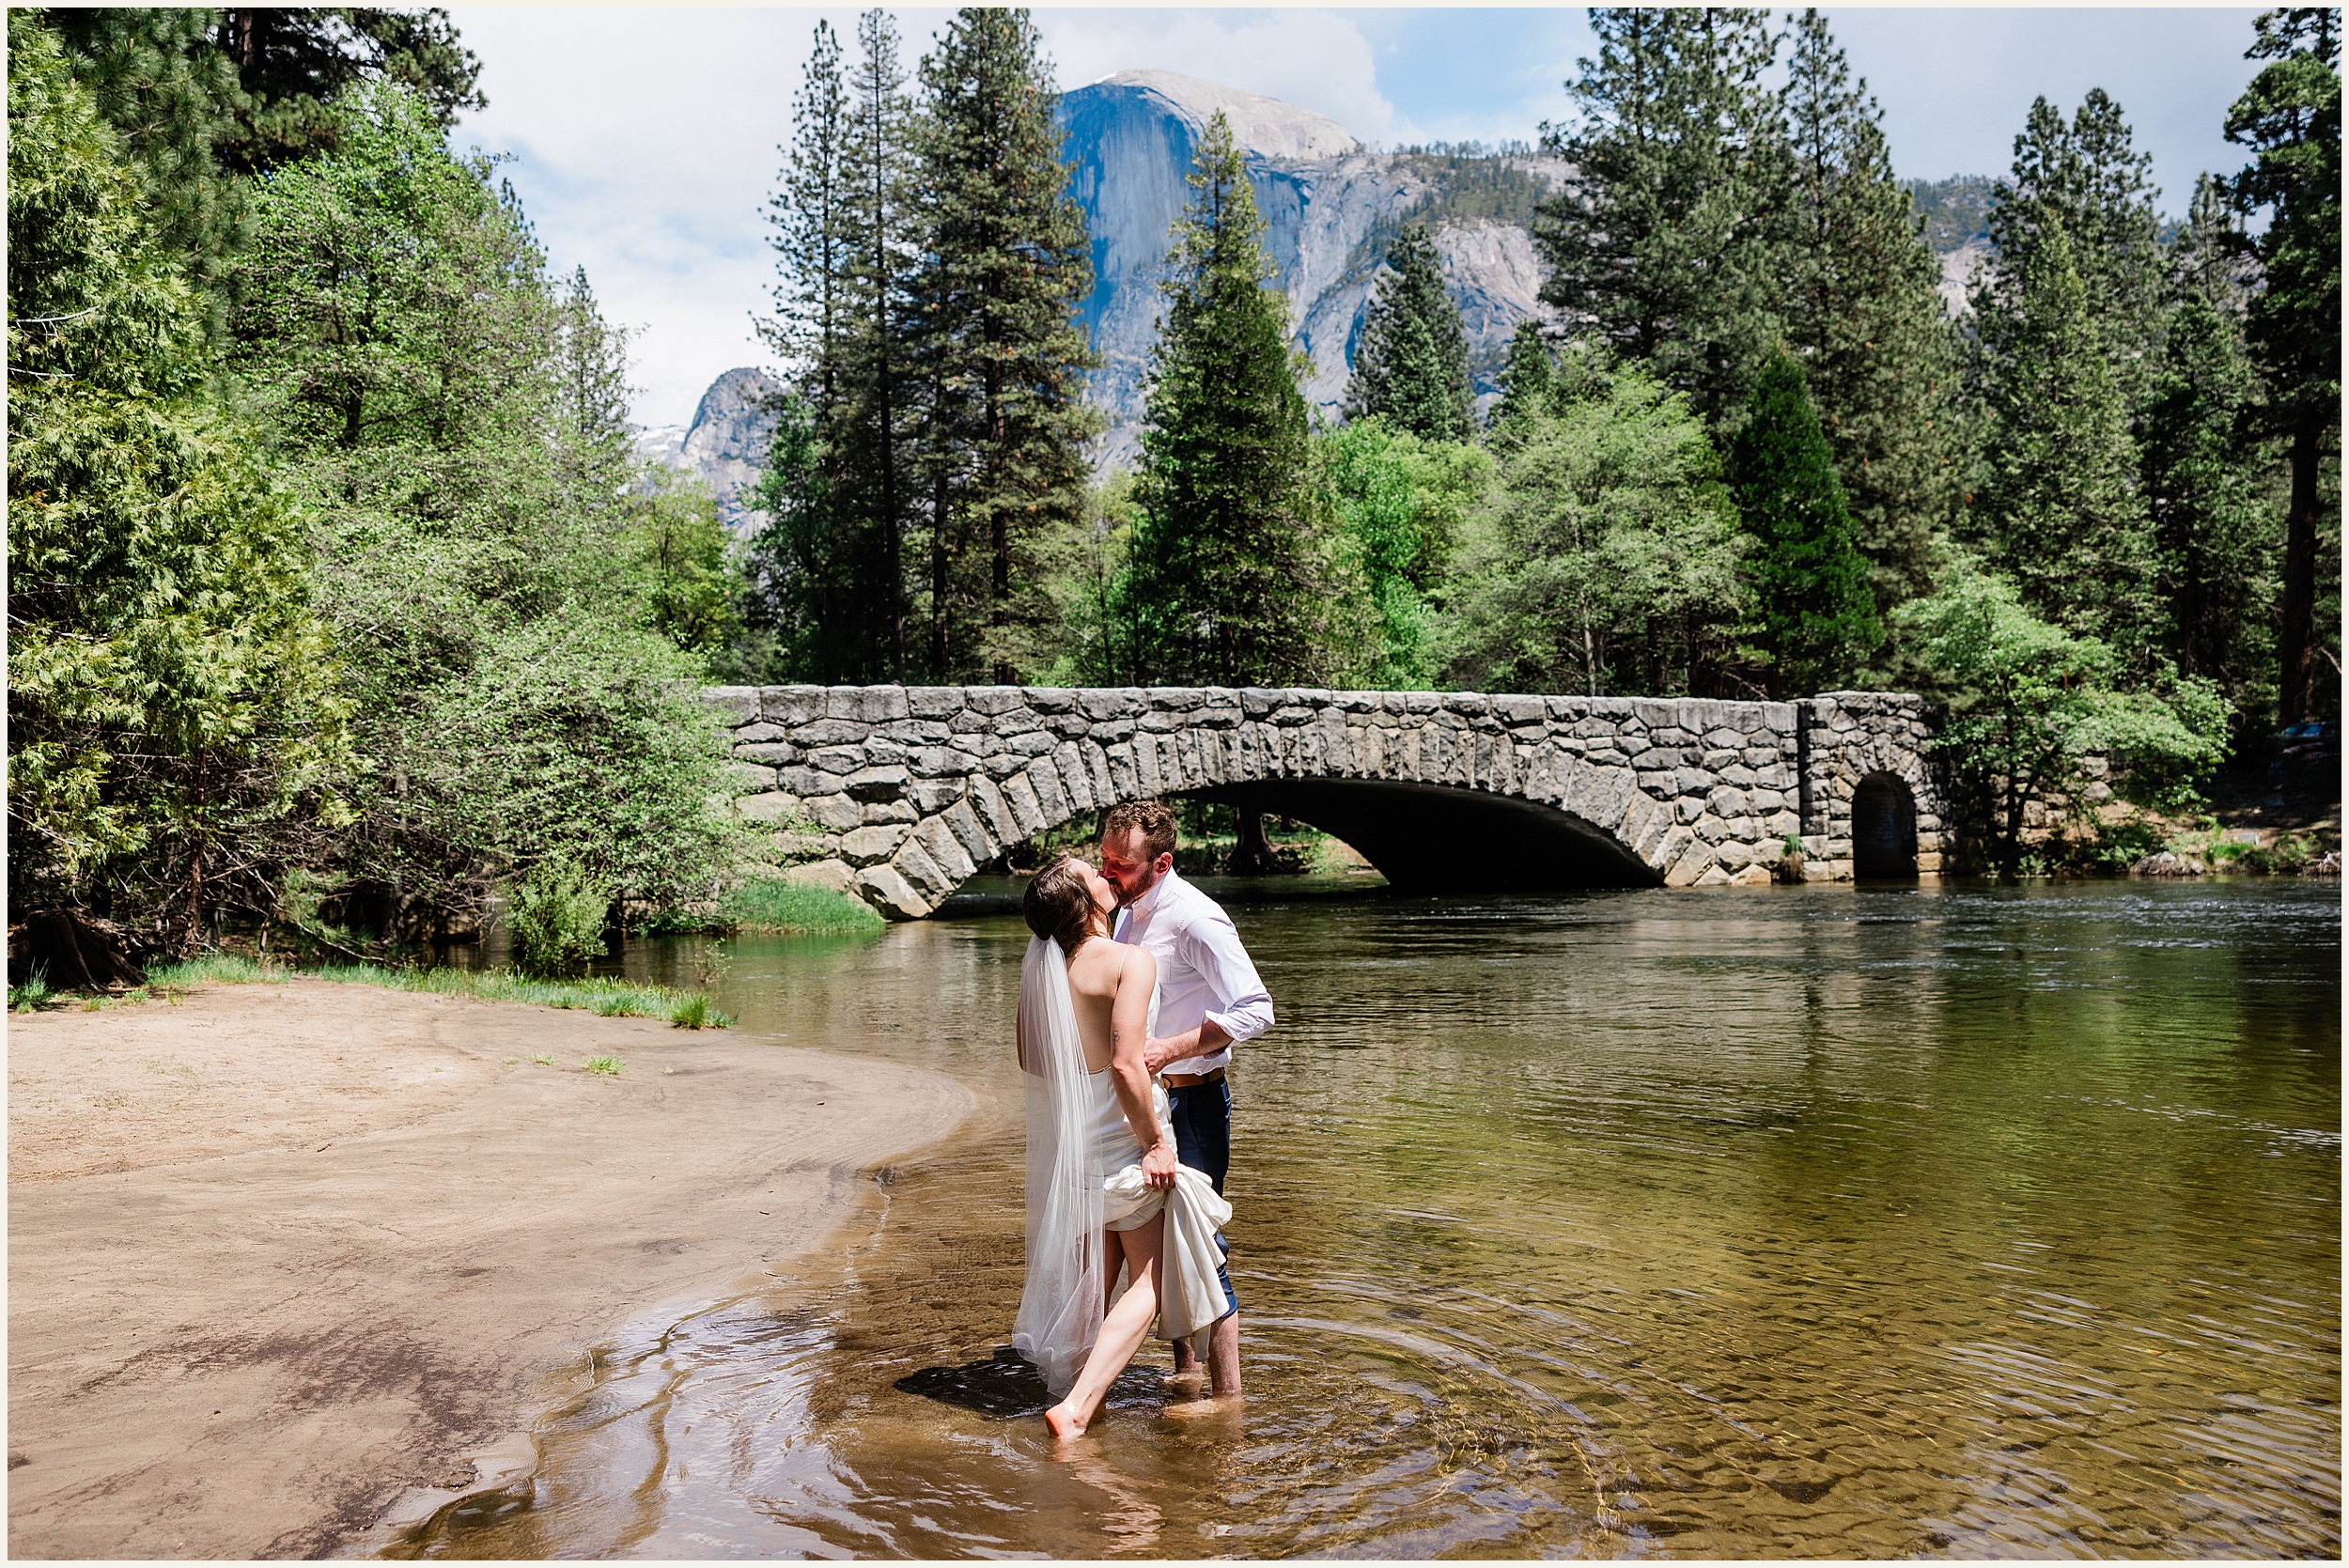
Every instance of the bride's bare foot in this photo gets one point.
(1063, 1423)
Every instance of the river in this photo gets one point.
(1946, 1220)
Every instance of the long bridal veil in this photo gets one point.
(1060, 1308)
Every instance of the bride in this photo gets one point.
(1105, 1190)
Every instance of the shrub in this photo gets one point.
(558, 917)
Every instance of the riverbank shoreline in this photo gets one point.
(287, 1257)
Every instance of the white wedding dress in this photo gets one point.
(1084, 1175)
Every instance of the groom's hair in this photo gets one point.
(1153, 821)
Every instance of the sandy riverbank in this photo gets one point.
(285, 1252)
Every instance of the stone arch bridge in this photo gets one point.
(898, 794)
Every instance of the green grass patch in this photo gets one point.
(769, 906)
(602, 1067)
(614, 998)
(228, 969)
(33, 993)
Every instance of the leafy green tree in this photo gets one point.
(1090, 583)
(1411, 365)
(2203, 486)
(1862, 309)
(1603, 556)
(173, 737)
(678, 545)
(2290, 118)
(2028, 702)
(2061, 503)
(1816, 619)
(1230, 550)
(397, 332)
(1006, 265)
(1665, 233)
(1401, 501)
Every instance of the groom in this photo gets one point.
(1209, 999)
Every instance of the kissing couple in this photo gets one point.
(1132, 970)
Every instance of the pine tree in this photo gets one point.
(1527, 378)
(1225, 584)
(844, 596)
(1665, 233)
(2290, 116)
(1817, 618)
(1411, 366)
(1006, 266)
(1863, 310)
(871, 479)
(2085, 178)
(2201, 486)
(2062, 503)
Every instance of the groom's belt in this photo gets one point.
(1186, 1081)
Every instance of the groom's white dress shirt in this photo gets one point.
(1203, 972)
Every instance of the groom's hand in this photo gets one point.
(1159, 1166)
(1154, 1055)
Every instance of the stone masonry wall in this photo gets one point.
(898, 794)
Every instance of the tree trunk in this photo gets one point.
(1252, 855)
(2295, 641)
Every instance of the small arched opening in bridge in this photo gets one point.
(1883, 829)
(1438, 838)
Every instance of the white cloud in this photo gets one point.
(645, 146)
(1318, 61)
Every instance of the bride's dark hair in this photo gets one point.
(1058, 905)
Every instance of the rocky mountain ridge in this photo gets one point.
(1330, 206)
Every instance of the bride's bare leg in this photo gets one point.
(1122, 1332)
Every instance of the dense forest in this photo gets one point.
(339, 597)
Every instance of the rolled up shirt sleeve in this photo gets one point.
(1239, 1005)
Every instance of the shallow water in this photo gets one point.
(1940, 1220)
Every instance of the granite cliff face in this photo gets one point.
(1330, 206)
(725, 444)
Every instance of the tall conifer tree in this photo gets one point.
(2217, 557)
(1863, 310)
(825, 561)
(2087, 178)
(1818, 619)
(1224, 584)
(2290, 116)
(1411, 366)
(1665, 232)
(1005, 264)
(870, 468)
(2066, 519)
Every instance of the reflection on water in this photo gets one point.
(1794, 1221)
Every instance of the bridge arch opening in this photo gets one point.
(1441, 838)
(1883, 829)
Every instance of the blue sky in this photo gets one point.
(644, 141)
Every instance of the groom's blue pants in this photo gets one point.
(1203, 1141)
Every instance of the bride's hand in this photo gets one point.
(1159, 1166)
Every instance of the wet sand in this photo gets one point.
(283, 1257)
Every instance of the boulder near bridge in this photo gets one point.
(904, 791)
